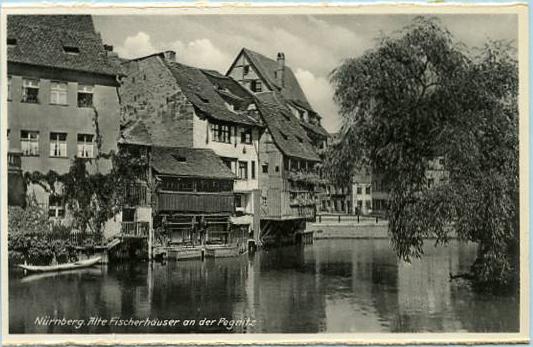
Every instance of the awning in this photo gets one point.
(242, 220)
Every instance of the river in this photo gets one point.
(330, 286)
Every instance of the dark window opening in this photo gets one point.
(256, 86)
(85, 95)
(246, 136)
(243, 170)
(179, 158)
(253, 169)
(265, 168)
(71, 49)
(246, 69)
(128, 215)
(11, 41)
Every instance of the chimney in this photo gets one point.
(280, 71)
(170, 55)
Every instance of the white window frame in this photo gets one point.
(27, 84)
(245, 168)
(85, 89)
(85, 146)
(56, 207)
(58, 92)
(58, 147)
(29, 144)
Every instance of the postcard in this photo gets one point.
(258, 173)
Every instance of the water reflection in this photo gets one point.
(331, 286)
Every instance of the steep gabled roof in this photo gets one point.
(41, 40)
(203, 95)
(189, 162)
(284, 127)
(291, 89)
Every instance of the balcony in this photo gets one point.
(135, 229)
(196, 202)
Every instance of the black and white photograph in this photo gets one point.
(235, 174)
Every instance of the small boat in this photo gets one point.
(62, 267)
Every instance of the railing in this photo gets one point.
(136, 195)
(136, 229)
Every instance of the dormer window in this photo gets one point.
(283, 135)
(11, 41)
(180, 158)
(300, 139)
(71, 50)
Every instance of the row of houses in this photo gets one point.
(241, 147)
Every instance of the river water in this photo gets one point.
(330, 286)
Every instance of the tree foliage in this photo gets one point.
(92, 198)
(420, 95)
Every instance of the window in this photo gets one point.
(277, 168)
(359, 191)
(283, 135)
(29, 143)
(56, 207)
(265, 168)
(85, 146)
(246, 136)
(360, 204)
(256, 86)
(128, 215)
(11, 41)
(220, 133)
(367, 190)
(9, 88)
(430, 182)
(58, 144)
(253, 169)
(30, 91)
(441, 161)
(299, 139)
(85, 95)
(58, 93)
(238, 201)
(368, 204)
(246, 70)
(243, 170)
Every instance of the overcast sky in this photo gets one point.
(313, 45)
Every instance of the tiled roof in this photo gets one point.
(201, 92)
(315, 128)
(284, 127)
(40, 40)
(231, 90)
(192, 162)
(148, 131)
(267, 67)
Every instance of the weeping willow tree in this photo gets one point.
(420, 95)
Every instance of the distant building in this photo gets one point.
(62, 97)
(178, 106)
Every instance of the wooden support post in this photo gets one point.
(339, 218)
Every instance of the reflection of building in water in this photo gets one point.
(287, 281)
(361, 288)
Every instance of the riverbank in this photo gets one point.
(349, 230)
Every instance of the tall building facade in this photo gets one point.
(62, 97)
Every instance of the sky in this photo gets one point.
(313, 44)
